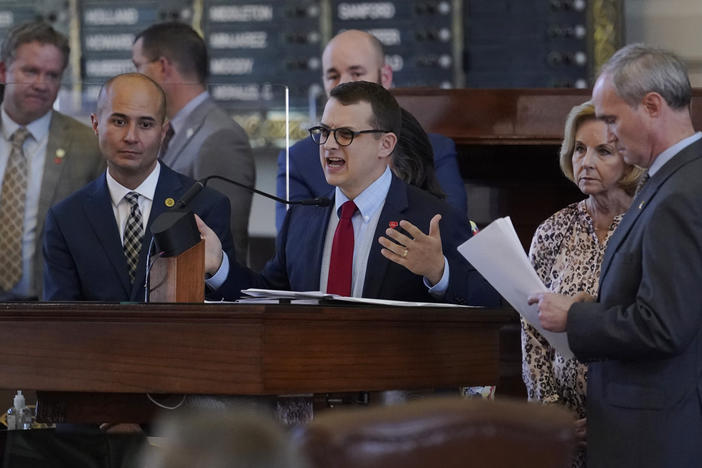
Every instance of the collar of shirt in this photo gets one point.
(370, 200)
(147, 189)
(38, 128)
(668, 154)
(178, 120)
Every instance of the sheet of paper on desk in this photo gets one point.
(388, 302)
(309, 296)
(497, 254)
(282, 294)
(274, 296)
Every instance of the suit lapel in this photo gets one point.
(58, 150)
(192, 124)
(376, 269)
(316, 227)
(98, 209)
(645, 198)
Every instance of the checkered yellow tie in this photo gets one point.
(12, 202)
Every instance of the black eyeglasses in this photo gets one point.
(342, 135)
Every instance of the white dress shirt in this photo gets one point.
(121, 207)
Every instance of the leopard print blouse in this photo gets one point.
(567, 256)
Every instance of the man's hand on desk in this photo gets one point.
(213, 247)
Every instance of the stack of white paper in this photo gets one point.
(295, 297)
(497, 254)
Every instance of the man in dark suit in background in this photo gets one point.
(643, 336)
(335, 248)
(352, 56)
(95, 246)
(54, 156)
(204, 140)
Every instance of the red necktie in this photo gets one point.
(341, 263)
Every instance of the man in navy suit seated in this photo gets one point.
(352, 56)
(95, 245)
(380, 238)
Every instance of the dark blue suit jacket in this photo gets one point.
(83, 257)
(300, 245)
(307, 177)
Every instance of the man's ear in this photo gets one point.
(164, 67)
(94, 122)
(386, 76)
(652, 103)
(164, 129)
(387, 143)
(3, 72)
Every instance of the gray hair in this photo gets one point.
(35, 31)
(638, 69)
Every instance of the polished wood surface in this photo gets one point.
(501, 116)
(233, 349)
(179, 278)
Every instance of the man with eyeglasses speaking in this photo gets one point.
(380, 238)
(354, 55)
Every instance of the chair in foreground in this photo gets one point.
(441, 432)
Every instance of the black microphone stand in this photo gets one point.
(318, 201)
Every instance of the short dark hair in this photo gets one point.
(179, 43)
(139, 76)
(387, 114)
(35, 31)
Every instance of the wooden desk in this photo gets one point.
(94, 362)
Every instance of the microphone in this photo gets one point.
(202, 183)
(189, 195)
(175, 230)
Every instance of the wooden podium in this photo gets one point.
(95, 362)
(180, 278)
